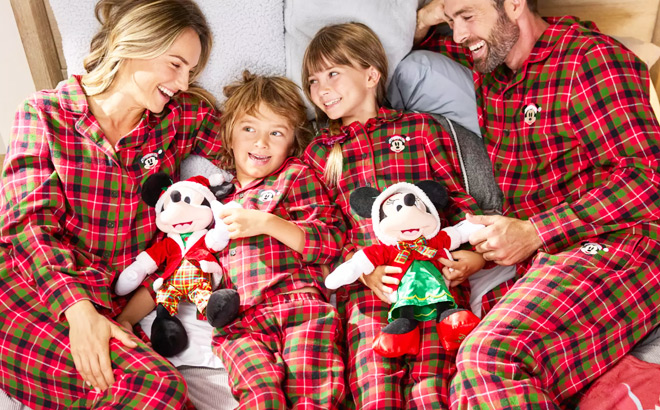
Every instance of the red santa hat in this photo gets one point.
(198, 183)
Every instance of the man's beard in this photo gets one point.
(500, 42)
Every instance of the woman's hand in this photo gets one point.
(378, 280)
(465, 263)
(244, 223)
(89, 335)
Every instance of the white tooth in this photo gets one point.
(331, 102)
(166, 91)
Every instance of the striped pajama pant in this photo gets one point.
(284, 354)
(37, 369)
(563, 324)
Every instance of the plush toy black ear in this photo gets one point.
(223, 190)
(436, 192)
(362, 199)
(154, 186)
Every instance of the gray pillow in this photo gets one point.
(426, 81)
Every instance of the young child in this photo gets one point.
(282, 350)
(365, 144)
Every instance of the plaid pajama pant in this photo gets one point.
(377, 382)
(570, 317)
(37, 369)
(187, 283)
(284, 353)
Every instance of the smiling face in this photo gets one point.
(405, 217)
(183, 210)
(346, 92)
(260, 144)
(150, 83)
(486, 31)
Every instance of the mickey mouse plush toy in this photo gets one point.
(406, 222)
(183, 211)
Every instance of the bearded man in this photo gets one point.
(568, 126)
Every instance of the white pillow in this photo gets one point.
(392, 20)
(246, 35)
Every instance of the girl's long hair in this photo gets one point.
(142, 29)
(350, 44)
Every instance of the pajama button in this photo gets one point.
(240, 195)
(498, 166)
(232, 252)
(364, 156)
(114, 194)
(111, 224)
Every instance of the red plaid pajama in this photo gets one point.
(574, 145)
(377, 382)
(562, 325)
(284, 353)
(38, 370)
(70, 216)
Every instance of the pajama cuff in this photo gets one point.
(558, 228)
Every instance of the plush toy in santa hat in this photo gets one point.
(406, 222)
(183, 212)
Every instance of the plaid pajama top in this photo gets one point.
(389, 148)
(70, 207)
(260, 267)
(586, 161)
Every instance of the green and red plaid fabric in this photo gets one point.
(188, 283)
(582, 167)
(261, 267)
(70, 217)
(285, 353)
(392, 147)
(588, 163)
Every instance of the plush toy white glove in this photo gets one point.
(210, 267)
(218, 237)
(460, 233)
(131, 277)
(349, 271)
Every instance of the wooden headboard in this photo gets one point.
(630, 18)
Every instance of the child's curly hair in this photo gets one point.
(279, 94)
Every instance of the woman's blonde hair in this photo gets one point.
(142, 29)
(350, 44)
(279, 94)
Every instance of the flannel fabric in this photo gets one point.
(284, 353)
(38, 370)
(260, 267)
(280, 341)
(574, 144)
(392, 147)
(70, 217)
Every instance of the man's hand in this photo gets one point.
(378, 280)
(505, 241)
(427, 17)
(89, 335)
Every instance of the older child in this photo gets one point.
(368, 145)
(282, 351)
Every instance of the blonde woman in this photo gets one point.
(71, 214)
